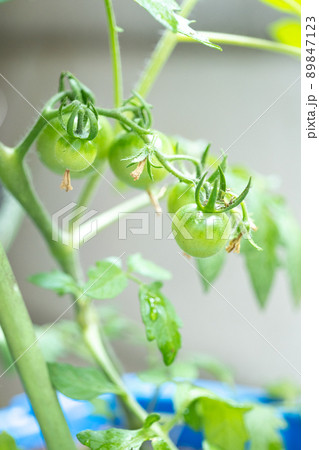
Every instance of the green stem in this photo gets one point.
(45, 116)
(115, 53)
(162, 52)
(90, 328)
(112, 215)
(18, 330)
(89, 188)
(113, 114)
(42, 120)
(246, 41)
(178, 174)
(15, 179)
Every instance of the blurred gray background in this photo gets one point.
(201, 93)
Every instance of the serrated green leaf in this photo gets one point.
(165, 13)
(106, 280)
(160, 320)
(136, 263)
(80, 383)
(286, 31)
(56, 281)
(224, 424)
(281, 5)
(210, 268)
(116, 439)
(262, 265)
(221, 420)
(263, 425)
(7, 442)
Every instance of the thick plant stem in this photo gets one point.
(162, 52)
(246, 41)
(21, 340)
(115, 54)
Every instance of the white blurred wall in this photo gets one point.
(202, 93)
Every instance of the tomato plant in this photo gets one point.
(216, 208)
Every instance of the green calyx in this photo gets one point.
(215, 189)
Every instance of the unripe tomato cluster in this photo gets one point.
(197, 233)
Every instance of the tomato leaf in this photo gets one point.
(263, 425)
(7, 442)
(56, 281)
(160, 320)
(136, 263)
(80, 383)
(262, 265)
(116, 439)
(209, 268)
(290, 239)
(222, 421)
(106, 280)
(164, 12)
(286, 31)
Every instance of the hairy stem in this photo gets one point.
(177, 173)
(18, 330)
(115, 54)
(245, 41)
(161, 54)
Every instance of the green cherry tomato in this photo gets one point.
(130, 144)
(52, 132)
(74, 154)
(180, 194)
(200, 234)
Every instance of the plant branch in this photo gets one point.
(112, 215)
(90, 328)
(246, 41)
(115, 114)
(115, 54)
(161, 54)
(177, 173)
(22, 342)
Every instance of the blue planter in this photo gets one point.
(19, 421)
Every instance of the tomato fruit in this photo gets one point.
(180, 194)
(50, 134)
(74, 154)
(129, 145)
(201, 234)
